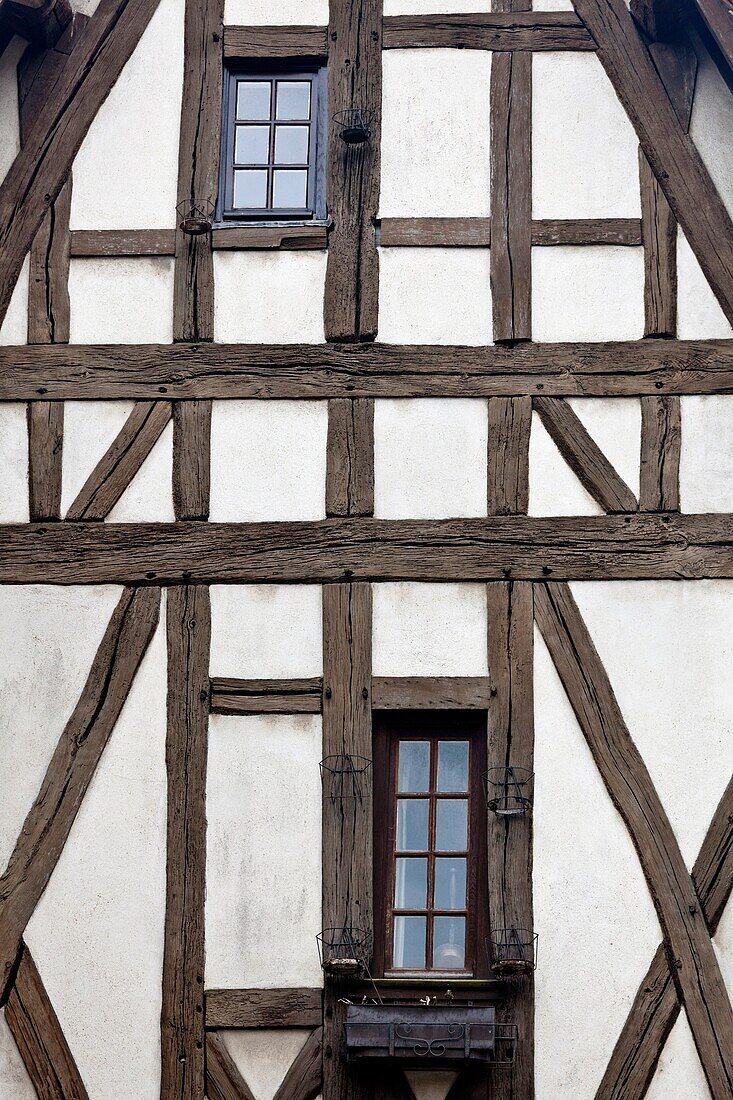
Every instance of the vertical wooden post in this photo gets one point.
(354, 80)
(193, 295)
(350, 457)
(347, 826)
(182, 1017)
(511, 743)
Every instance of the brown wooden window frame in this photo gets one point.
(389, 728)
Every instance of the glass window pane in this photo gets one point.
(250, 188)
(291, 144)
(293, 99)
(409, 942)
(412, 825)
(252, 145)
(413, 773)
(290, 189)
(450, 883)
(451, 829)
(449, 943)
(411, 884)
(453, 765)
(253, 100)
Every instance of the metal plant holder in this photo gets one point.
(195, 218)
(428, 1035)
(344, 952)
(345, 778)
(512, 952)
(509, 791)
(354, 125)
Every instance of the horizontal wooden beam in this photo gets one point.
(270, 1008)
(86, 243)
(640, 546)
(431, 692)
(476, 232)
(521, 30)
(293, 238)
(271, 43)
(231, 696)
(76, 372)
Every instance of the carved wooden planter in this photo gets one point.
(423, 1035)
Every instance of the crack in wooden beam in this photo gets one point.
(235, 696)
(510, 424)
(696, 970)
(267, 1008)
(72, 766)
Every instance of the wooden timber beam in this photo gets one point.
(72, 767)
(41, 168)
(632, 547)
(510, 424)
(141, 372)
(268, 1008)
(350, 458)
(39, 1038)
(656, 1006)
(431, 692)
(696, 971)
(498, 30)
(476, 232)
(223, 1079)
(272, 43)
(671, 153)
(232, 696)
(41, 22)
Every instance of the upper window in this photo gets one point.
(429, 843)
(273, 146)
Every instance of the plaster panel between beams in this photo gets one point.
(276, 12)
(435, 133)
(430, 458)
(126, 171)
(587, 294)
(554, 490)
(14, 506)
(264, 1056)
(97, 933)
(14, 329)
(594, 914)
(435, 296)
(269, 297)
(263, 864)
(584, 149)
(121, 301)
(266, 631)
(614, 423)
(711, 126)
(268, 460)
(699, 314)
(15, 1084)
(429, 629)
(679, 1073)
(9, 116)
(706, 461)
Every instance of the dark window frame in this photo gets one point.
(389, 727)
(256, 71)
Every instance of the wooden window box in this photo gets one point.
(421, 1035)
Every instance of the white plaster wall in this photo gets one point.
(435, 133)
(593, 912)
(584, 151)
(251, 12)
(121, 301)
(699, 315)
(263, 886)
(13, 464)
(264, 1056)
(97, 933)
(668, 649)
(434, 296)
(435, 7)
(268, 460)
(266, 631)
(581, 293)
(15, 1084)
(126, 171)
(14, 329)
(149, 496)
(430, 458)
(48, 638)
(679, 1072)
(711, 125)
(9, 119)
(615, 425)
(269, 297)
(554, 490)
(429, 629)
(706, 461)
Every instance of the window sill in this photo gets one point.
(415, 987)
(288, 236)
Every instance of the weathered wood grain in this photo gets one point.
(350, 458)
(295, 238)
(39, 1038)
(587, 231)
(191, 459)
(718, 18)
(631, 547)
(672, 155)
(41, 168)
(86, 243)
(48, 290)
(696, 971)
(430, 692)
(584, 456)
(268, 1008)
(121, 461)
(301, 371)
(182, 1013)
(660, 19)
(231, 696)
(661, 446)
(656, 1005)
(274, 42)
(40, 69)
(510, 423)
(511, 744)
(41, 22)
(72, 767)
(304, 1079)
(523, 30)
(45, 421)
(223, 1079)
(351, 298)
(476, 232)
